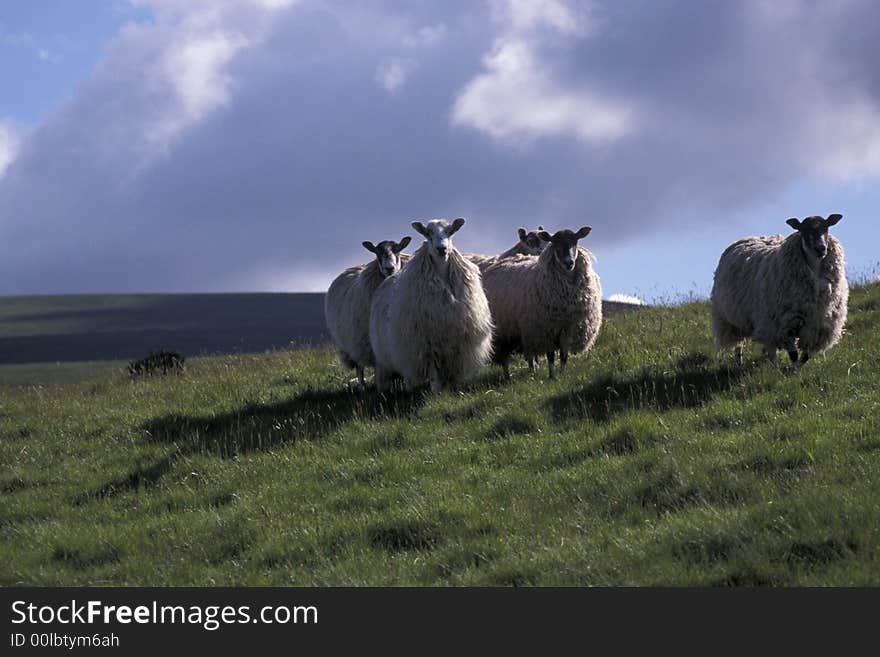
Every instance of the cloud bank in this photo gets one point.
(253, 144)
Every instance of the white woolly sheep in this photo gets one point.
(782, 292)
(347, 304)
(431, 322)
(545, 303)
(529, 243)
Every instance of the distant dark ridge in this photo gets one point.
(121, 327)
(68, 328)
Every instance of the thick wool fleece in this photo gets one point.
(539, 307)
(347, 310)
(484, 261)
(766, 289)
(425, 321)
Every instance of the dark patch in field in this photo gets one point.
(510, 425)
(17, 484)
(747, 578)
(787, 469)
(626, 441)
(667, 493)
(819, 553)
(706, 550)
(512, 577)
(86, 557)
(310, 415)
(691, 384)
(145, 476)
(405, 535)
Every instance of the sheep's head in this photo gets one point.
(439, 234)
(388, 254)
(814, 231)
(532, 240)
(564, 244)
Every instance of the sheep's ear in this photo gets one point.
(420, 228)
(401, 245)
(369, 247)
(833, 219)
(453, 229)
(522, 234)
(794, 223)
(583, 232)
(544, 235)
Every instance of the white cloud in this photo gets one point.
(393, 73)
(626, 298)
(523, 15)
(195, 67)
(516, 97)
(8, 146)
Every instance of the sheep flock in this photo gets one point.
(436, 318)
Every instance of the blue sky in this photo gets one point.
(245, 145)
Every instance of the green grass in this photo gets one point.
(650, 462)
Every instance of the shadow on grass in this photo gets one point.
(693, 382)
(310, 415)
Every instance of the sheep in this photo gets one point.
(545, 303)
(431, 322)
(782, 292)
(529, 244)
(347, 303)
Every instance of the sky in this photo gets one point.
(252, 145)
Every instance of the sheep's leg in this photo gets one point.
(533, 364)
(551, 363)
(793, 356)
(434, 378)
(505, 364)
(563, 360)
(772, 355)
(382, 379)
(360, 373)
(738, 354)
(805, 356)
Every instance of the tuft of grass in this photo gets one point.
(651, 461)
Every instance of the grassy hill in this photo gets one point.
(648, 462)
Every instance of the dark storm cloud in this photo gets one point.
(259, 151)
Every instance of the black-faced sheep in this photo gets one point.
(530, 243)
(347, 304)
(545, 303)
(431, 322)
(782, 292)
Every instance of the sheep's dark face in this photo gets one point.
(814, 233)
(564, 244)
(532, 240)
(388, 254)
(439, 234)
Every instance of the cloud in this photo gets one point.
(245, 145)
(515, 98)
(626, 298)
(393, 73)
(8, 146)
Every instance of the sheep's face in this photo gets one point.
(439, 234)
(532, 240)
(388, 254)
(814, 233)
(564, 244)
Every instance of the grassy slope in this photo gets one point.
(647, 463)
